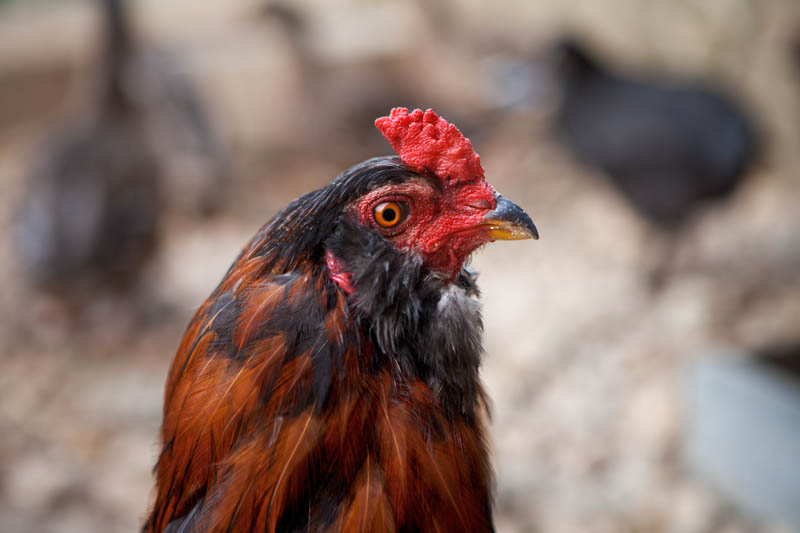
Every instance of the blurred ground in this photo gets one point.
(585, 366)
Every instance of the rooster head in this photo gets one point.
(431, 200)
(445, 208)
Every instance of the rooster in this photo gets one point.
(330, 382)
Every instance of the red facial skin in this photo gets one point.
(339, 273)
(442, 224)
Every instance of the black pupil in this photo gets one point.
(389, 214)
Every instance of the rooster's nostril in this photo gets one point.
(482, 203)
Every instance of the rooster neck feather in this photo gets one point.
(430, 328)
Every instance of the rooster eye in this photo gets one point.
(389, 214)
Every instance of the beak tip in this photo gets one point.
(534, 231)
(516, 224)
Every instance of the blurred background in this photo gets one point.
(643, 356)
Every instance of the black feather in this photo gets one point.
(430, 327)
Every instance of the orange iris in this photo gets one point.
(388, 214)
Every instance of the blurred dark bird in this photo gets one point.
(669, 149)
(90, 215)
(330, 382)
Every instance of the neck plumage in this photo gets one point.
(429, 326)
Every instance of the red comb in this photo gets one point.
(427, 142)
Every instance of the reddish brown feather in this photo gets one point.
(249, 475)
(369, 509)
(243, 439)
(260, 306)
